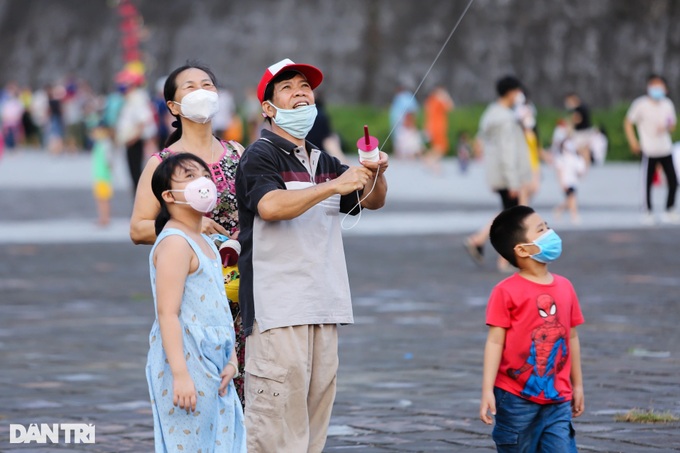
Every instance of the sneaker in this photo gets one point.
(648, 219)
(670, 217)
(476, 252)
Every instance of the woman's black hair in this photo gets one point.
(162, 181)
(170, 89)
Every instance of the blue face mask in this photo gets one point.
(297, 122)
(549, 245)
(656, 92)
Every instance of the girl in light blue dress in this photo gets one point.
(191, 361)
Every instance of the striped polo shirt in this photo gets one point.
(293, 272)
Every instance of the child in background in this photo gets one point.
(464, 151)
(191, 361)
(532, 380)
(408, 140)
(599, 143)
(570, 166)
(102, 168)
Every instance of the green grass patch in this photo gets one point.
(348, 122)
(646, 416)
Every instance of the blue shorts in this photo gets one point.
(528, 427)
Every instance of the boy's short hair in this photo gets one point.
(508, 230)
(655, 76)
(507, 84)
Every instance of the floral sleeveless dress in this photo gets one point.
(217, 425)
(226, 214)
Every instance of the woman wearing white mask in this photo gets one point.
(191, 96)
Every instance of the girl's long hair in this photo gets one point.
(162, 181)
(169, 90)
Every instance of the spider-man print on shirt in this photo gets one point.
(548, 353)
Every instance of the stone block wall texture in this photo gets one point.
(603, 49)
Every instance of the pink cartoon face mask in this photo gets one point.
(201, 194)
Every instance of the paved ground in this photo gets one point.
(76, 310)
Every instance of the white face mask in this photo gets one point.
(520, 99)
(201, 194)
(199, 106)
(297, 122)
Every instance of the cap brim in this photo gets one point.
(313, 75)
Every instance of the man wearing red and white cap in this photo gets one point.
(294, 286)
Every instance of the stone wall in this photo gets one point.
(601, 48)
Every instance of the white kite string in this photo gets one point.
(453, 30)
(427, 73)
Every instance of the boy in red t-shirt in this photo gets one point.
(532, 379)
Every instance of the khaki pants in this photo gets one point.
(290, 388)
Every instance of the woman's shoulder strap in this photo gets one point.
(233, 145)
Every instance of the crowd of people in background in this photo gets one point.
(576, 143)
(61, 116)
(68, 116)
(56, 116)
(424, 133)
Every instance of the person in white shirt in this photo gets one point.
(653, 115)
(570, 165)
(136, 123)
